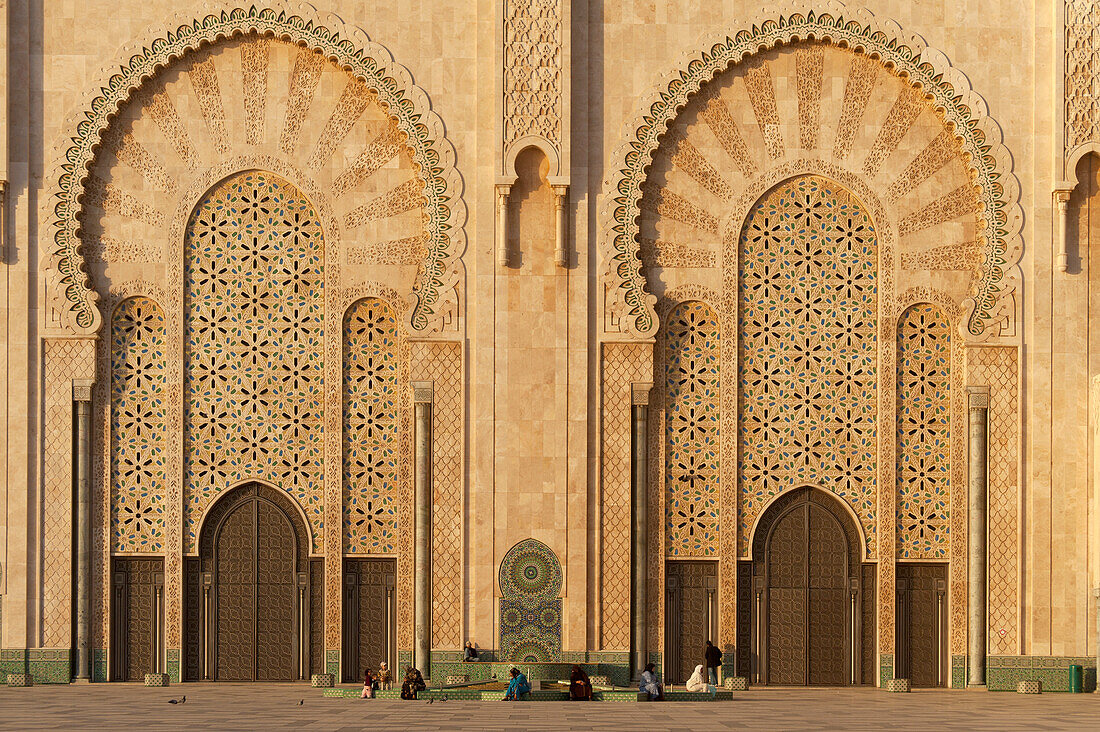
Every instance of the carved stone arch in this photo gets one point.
(837, 506)
(243, 490)
(70, 297)
(629, 307)
(1074, 157)
(548, 149)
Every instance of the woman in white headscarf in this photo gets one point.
(698, 683)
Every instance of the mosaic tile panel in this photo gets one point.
(371, 461)
(138, 426)
(253, 332)
(924, 433)
(530, 610)
(692, 408)
(807, 348)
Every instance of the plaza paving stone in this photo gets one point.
(275, 706)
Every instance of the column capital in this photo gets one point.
(978, 396)
(639, 392)
(82, 390)
(423, 392)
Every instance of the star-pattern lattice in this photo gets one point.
(808, 355)
(691, 431)
(138, 424)
(371, 399)
(924, 433)
(253, 332)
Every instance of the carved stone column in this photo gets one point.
(561, 251)
(1061, 201)
(639, 560)
(422, 595)
(978, 492)
(503, 191)
(82, 395)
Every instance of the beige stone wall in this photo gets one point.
(615, 54)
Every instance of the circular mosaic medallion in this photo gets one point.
(530, 569)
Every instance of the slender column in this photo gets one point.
(561, 252)
(422, 598)
(640, 527)
(82, 395)
(502, 223)
(1061, 200)
(978, 488)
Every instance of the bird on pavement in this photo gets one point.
(432, 700)
(178, 701)
(301, 702)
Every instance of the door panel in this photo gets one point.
(370, 624)
(137, 593)
(922, 618)
(692, 604)
(235, 568)
(275, 601)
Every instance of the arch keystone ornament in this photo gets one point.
(70, 297)
(630, 309)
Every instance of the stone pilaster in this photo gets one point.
(82, 395)
(978, 491)
(422, 599)
(639, 559)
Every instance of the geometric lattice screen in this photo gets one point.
(807, 349)
(138, 424)
(253, 340)
(371, 428)
(692, 415)
(924, 433)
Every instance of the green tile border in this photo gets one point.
(174, 666)
(958, 672)
(885, 669)
(332, 662)
(1003, 672)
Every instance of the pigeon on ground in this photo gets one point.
(301, 702)
(178, 701)
(432, 700)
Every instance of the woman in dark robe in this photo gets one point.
(580, 686)
(414, 683)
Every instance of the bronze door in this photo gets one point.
(137, 617)
(252, 596)
(805, 603)
(691, 616)
(922, 623)
(370, 622)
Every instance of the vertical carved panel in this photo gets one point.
(1082, 72)
(692, 407)
(372, 397)
(924, 433)
(623, 364)
(532, 70)
(64, 361)
(808, 313)
(138, 426)
(997, 367)
(275, 595)
(442, 363)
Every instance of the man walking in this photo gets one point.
(713, 657)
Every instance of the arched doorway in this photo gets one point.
(807, 608)
(249, 609)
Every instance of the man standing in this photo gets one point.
(713, 657)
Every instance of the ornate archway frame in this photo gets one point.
(68, 289)
(628, 308)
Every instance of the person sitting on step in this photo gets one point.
(517, 687)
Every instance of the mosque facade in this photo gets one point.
(587, 332)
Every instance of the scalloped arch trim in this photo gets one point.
(403, 100)
(944, 87)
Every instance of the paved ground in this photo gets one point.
(275, 706)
